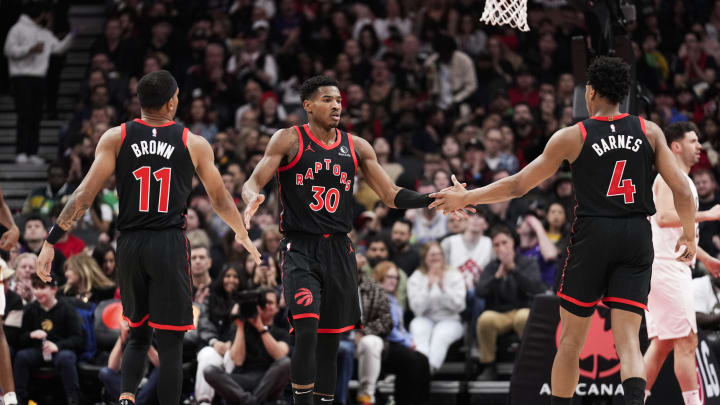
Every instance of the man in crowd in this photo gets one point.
(200, 263)
(260, 352)
(42, 199)
(406, 256)
(709, 201)
(34, 234)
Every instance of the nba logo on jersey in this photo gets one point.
(154, 132)
(344, 151)
(612, 127)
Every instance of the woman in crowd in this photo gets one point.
(215, 330)
(104, 256)
(411, 367)
(85, 280)
(24, 269)
(436, 295)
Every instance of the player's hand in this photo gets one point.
(252, 206)
(9, 238)
(249, 246)
(715, 212)
(688, 253)
(45, 258)
(713, 267)
(452, 199)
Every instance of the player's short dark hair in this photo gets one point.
(610, 77)
(154, 87)
(676, 131)
(310, 86)
(406, 222)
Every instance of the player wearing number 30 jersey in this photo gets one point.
(610, 252)
(154, 160)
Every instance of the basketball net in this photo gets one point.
(506, 12)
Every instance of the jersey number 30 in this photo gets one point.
(329, 201)
(163, 176)
(618, 186)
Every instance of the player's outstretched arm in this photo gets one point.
(222, 202)
(565, 144)
(681, 193)
(281, 144)
(103, 166)
(10, 232)
(711, 264)
(666, 215)
(391, 194)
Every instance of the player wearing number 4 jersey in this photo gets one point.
(610, 254)
(316, 166)
(154, 160)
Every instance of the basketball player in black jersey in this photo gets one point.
(316, 166)
(9, 234)
(154, 160)
(610, 253)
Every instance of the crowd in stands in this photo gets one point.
(435, 92)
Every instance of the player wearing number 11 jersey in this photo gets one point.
(610, 252)
(154, 160)
(316, 166)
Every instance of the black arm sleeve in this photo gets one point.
(411, 199)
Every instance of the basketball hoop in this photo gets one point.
(506, 12)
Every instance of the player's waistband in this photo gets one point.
(620, 217)
(307, 235)
(152, 230)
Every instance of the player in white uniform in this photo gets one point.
(9, 234)
(670, 318)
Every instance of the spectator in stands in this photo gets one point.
(252, 60)
(28, 47)
(104, 256)
(436, 294)
(86, 281)
(199, 120)
(557, 228)
(260, 353)
(270, 244)
(429, 224)
(406, 255)
(50, 329)
(507, 284)
(42, 200)
(12, 317)
(123, 53)
(24, 269)
(709, 200)
(34, 233)
(200, 263)
(495, 159)
(215, 330)
(265, 275)
(369, 341)
(411, 367)
(110, 375)
(535, 243)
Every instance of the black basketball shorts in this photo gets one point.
(154, 275)
(320, 280)
(608, 260)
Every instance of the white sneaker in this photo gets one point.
(21, 158)
(36, 160)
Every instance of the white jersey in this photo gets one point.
(665, 239)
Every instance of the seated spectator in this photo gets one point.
(200, 263)
(429, 224)
(707, 189)
(260, 354)
(266, 274)
(12, 317)
(198, 120)
(495, 158)
(215, 330)
(24, 270)
(42, 200)
(34, 233)
(85, 280)
(110, 375)
(411, 367)
(405, 255)
(436, 294)
(556, 219)
(507, 284)
(378, 250)
(368, 341)
(535, 243)
(104, 256)
(271, 242)
(51, 333)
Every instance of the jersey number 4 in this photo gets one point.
(330, 201)
(163, 176)
(618, 186)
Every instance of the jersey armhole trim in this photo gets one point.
(122, 133)
(583, 130)
(184, 137)
(352, 149)
(299, 153)
(642, 125)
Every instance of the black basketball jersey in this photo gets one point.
(154, 174)
(613, 175)
(316, 186)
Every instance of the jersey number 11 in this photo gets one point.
(163, 176)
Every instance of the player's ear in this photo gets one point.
(306, 106)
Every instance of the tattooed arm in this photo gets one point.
(103, 166)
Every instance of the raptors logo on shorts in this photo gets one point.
(303, 297)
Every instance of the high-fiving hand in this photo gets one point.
(251, 208)
(452, 200)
